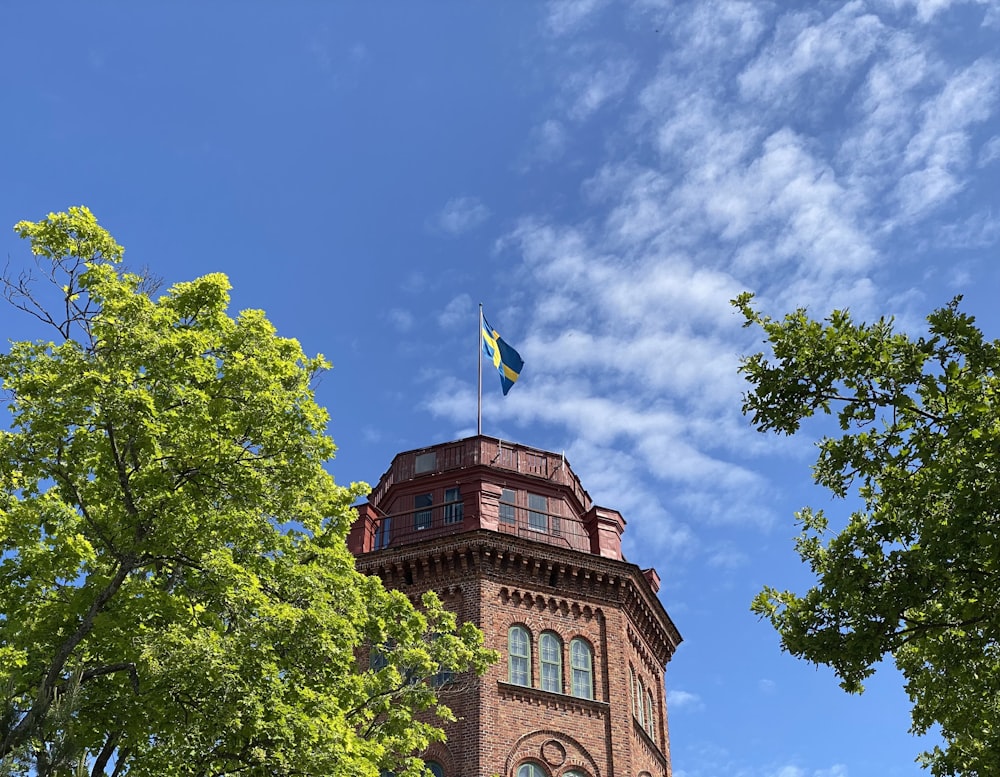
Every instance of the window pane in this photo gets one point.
(582, 662)
(538, 507)
(426, 462)
(382, 534)
(452, 506)
(436, 769)
(530, 770)
(507, 508)
(550, 653)
(519, 656)
(422, 518)
(650, 721)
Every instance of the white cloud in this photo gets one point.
(461, 215)
(677, 700)
(459, 311)
(809, 53)
(566, 16)
(592, 88)
(401, 319)
(990, 152)
(939, 153)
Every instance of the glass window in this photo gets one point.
(538, 509)
(519, 656)
(452, 506)
(650, 720)
(582, 662)
(382, 534)
(530, 769)
(550, 661)
(574, 773)
(425, 462)
(638, 704)
(436, 769)
(421, 516)
(631, 687)
(508, 500)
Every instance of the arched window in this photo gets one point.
(550, 661)
(436, 769)
(639, 694)
(632, 687)
(582, 661)
(530, 769)
(650, 720)
(519, 656)
(574, 773)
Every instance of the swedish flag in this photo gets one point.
(507, 361)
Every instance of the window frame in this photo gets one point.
(545, 678)
(512, 657)
(454, 508)
(531, 769)
(423, 514)
(538, 513)
(584, 673)
(508, 499)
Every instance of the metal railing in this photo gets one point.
(425, 523)
(487, 451)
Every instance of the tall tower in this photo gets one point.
(510, 540)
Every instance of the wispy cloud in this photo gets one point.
(457, 312)
(772, 150)
(461, 215)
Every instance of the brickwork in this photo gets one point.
(540, 583)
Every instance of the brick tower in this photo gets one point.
(510, 540)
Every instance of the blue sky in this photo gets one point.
(603, 177)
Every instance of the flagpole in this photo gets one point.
(479, 371)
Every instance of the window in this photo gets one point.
(550, 661)
(382, 534)
(639, 694)
(452, 505)
(582, 662)
(574, 773)
(650, 720)
(508, 500)
(436, 769)
(631, 687)
(538, 509)
(519, 656)
(425, 462)
(422, 517)
(530, 769)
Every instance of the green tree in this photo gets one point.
(176, 595)
(914, 573)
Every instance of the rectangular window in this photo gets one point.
(422, 517)
(507, 506)
(425, 462)
(452, 506)
(538, 512)
(382, 534)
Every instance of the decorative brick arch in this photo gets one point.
(556, 750)
(438, 751)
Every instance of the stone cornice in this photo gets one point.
(552, 570)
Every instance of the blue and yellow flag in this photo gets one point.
(507, 361)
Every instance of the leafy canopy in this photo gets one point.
(915, 573)
(176, 595)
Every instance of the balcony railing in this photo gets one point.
(486, 451)
(429, 522)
